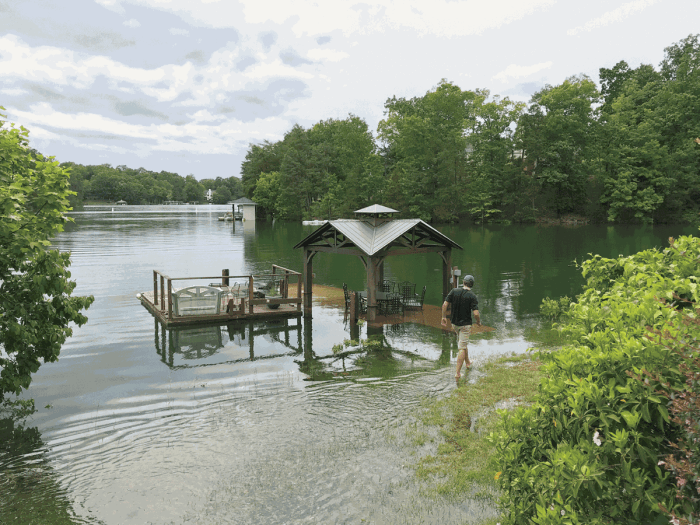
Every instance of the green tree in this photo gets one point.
(559, 138)
(194, 191)
(425, 136)
(36, 306)
(268, 193)
(221, 195)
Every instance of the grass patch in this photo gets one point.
(462, 464)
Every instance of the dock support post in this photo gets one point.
(224, 277)
(170, 299)
(162, 295)
(308, 281)
(155, 288)
(250, 294)
(446, 271)
(371, 288)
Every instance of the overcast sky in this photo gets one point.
(186, 85)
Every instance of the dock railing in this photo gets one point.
(278, 279)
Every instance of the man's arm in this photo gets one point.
(444, 314)
(477, 316)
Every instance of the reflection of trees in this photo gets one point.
(195, 343)
(29, 490)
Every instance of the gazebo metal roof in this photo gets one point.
(413, 235)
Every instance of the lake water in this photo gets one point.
(223, 424)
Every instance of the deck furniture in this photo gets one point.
(197, 300)
(347, 295)
(407, 290)
(394, 305)
(416, 301)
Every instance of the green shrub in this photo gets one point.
(553, 309)
(587, 450)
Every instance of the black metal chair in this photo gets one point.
(407, 291)
(347, 296)
(416, 301)
(394, 304)
(386, 286)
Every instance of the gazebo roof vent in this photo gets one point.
(375, 214)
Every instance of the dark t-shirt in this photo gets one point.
(463, 302)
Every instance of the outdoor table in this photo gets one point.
(383, 299)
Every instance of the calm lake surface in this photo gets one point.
(223, 424)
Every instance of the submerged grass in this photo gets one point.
(461, 465)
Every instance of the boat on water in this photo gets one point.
(313, 223)
(231, 216)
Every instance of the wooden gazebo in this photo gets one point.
(373, 237)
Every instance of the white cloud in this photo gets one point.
(515, 71)
(327, 55)
(611, 17)
(132, 23)
(447, 18)
(178, 31)
(222, 137)
(61, 67)
(13, 92)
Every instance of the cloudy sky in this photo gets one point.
(186, 85)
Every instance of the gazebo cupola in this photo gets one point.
(375, 214)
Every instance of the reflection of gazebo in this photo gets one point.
(373, 237)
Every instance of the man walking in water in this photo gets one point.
(463, 302)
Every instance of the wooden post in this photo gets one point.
(371, 289)
(380, 274)
(353, 308)
(446, 265)
(224, 277)
(298, 292)
(155, 288)
(170, 299)
(286, 285)
(250, 295)
(308, 281)
(162, 294)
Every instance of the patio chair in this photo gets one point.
(386, 286)
(394, 304)
(416, 301)
(407, 290)
(347, 296)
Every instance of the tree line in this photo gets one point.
(625, 151)
(140, 186)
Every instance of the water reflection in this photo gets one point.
(187, 347)
(30, 490)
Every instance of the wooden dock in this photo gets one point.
(252, 304)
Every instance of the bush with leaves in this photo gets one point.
(684, 402)
(553, 308)
(588, 450)
(36, 307)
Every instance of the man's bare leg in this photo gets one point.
(462, 358)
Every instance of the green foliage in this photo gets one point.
(626, 153)
(36, 306)
(553, 309)
(684, 410)
(590, 444)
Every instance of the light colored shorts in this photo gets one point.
(462, 335)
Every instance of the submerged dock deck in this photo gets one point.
(262, 296)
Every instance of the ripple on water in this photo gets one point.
(252, 452)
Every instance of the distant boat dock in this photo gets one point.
(261, 296)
